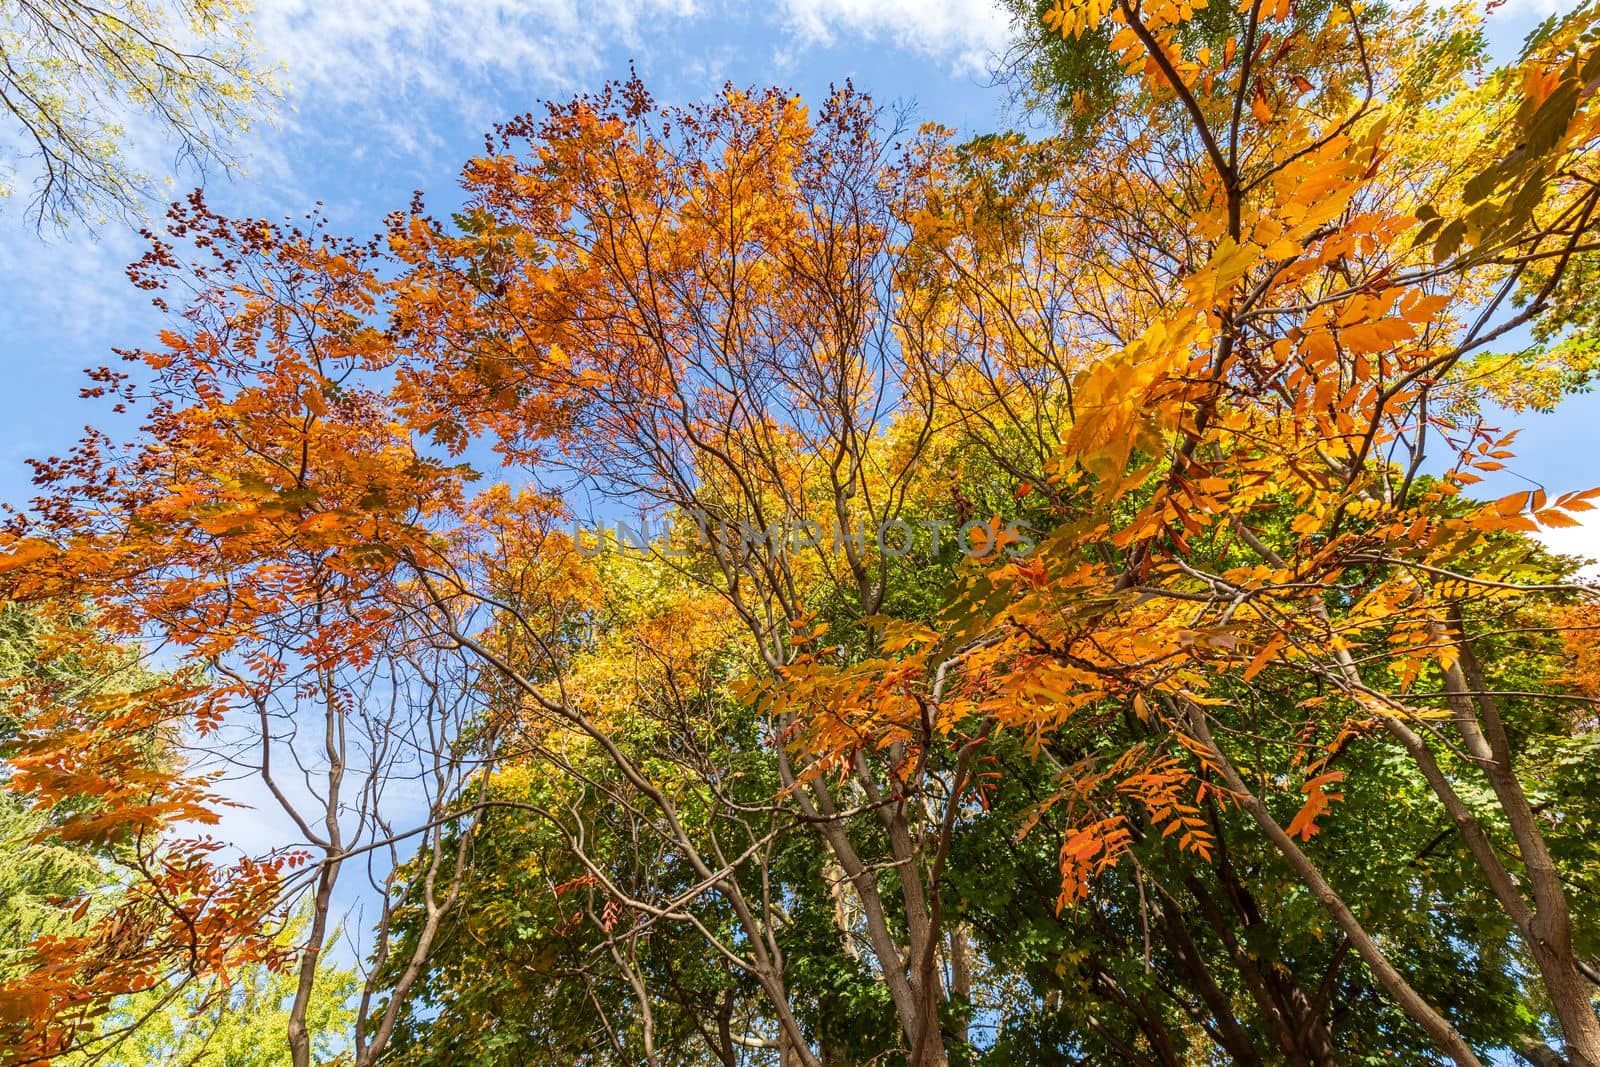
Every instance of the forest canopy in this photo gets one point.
(1068, 627)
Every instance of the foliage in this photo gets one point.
(1200, 713)
(76, 75)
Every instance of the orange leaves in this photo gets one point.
(21, 552)
(1267, 654)
(1318, 801)
(1170, 792)
(1227, 266)
(193, 917)
(532, 329)
(1378, 336)
(1530, 510)
(1418, 306)
(1259, 106)
(839, 710)
(1577, 626)
(94, 752)
(273, 467)
(1163, 788)
(98, 753)
(1086, 851)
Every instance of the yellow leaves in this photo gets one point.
(1447, 589)
(900, 635)
(1124, 39)
(1447, 653)
(1315, 189)
(192, 68)
(1369, 508)
(1074, 18)
(1122, 402)
(1163, 14)
(1221, 640)
(1283, 249)
(1227, 265)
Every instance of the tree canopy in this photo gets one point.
(768, 583)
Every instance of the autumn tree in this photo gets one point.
(1070, 632)
(257, 550)
(708, 298)
(1243, 470)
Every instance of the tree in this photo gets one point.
(1066, 567)
(51, 887)
(77, 78)
(279, 605)
(1294, 356)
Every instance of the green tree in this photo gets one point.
(240, 1023)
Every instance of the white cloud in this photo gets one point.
(966, 32)
(388, 59)
(1517, 8)
(1582, 541)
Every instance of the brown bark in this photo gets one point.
(1424, 1014)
